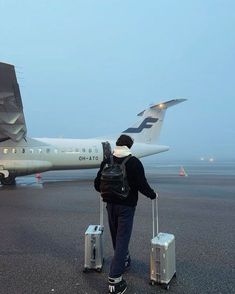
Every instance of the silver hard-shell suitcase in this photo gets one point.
(94, 257)
(162, 256)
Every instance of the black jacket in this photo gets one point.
(136, 180)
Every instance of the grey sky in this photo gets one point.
(86, 68)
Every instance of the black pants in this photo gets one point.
(120, 223)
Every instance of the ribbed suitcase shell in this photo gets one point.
(94, 248)
(162, 259)
(94, 256)
(162, 255)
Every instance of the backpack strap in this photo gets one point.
(126, 159)
(123, 166)
(111, 158)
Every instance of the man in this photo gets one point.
(121, 211)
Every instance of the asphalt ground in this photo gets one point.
(42, 226)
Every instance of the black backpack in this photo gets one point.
(113, 181)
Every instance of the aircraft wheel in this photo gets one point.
(10, 180)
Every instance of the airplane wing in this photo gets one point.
(12, 122)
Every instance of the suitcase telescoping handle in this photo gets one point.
(101, 212)
(155, 215)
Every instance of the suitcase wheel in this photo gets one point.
(167, 287)
(99, 270)
(86, 270)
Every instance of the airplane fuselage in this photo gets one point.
(39, 155)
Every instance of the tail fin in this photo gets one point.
(147, 130)
(12, 122)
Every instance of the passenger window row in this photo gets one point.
(47, 150)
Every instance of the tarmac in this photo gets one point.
(42, 226)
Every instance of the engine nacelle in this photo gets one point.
(23, 167)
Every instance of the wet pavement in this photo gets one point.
(42, 226)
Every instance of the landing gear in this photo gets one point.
(10, 180)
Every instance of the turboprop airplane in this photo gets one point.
(21, 155)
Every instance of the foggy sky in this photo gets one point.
(86, 68)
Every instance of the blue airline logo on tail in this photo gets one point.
(147, 123)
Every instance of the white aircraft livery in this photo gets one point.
(21, 155)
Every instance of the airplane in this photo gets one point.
(21, 155)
